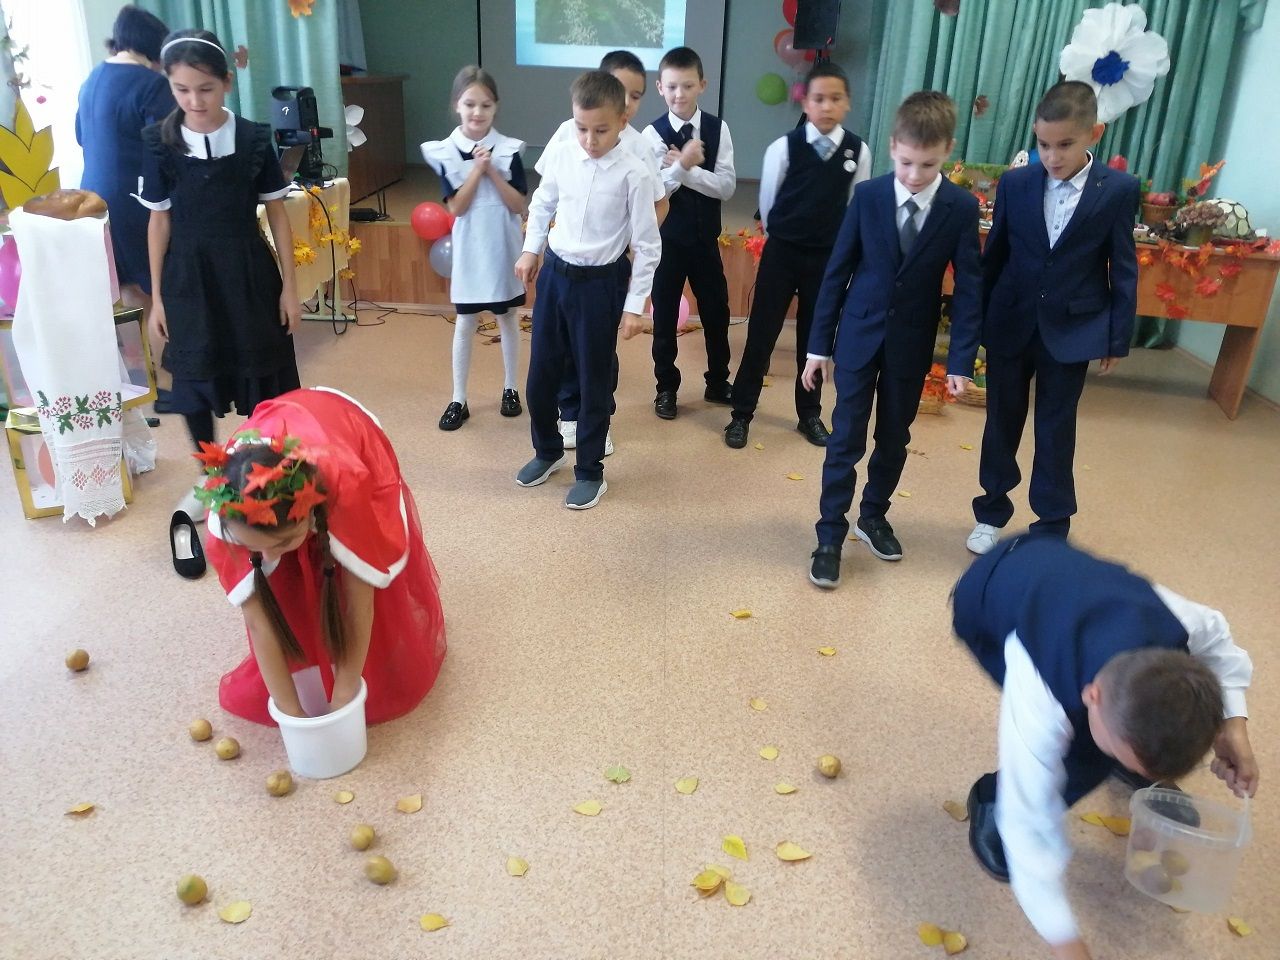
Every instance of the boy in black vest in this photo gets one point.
(696, 154)
(806, 183)
(1099, 669)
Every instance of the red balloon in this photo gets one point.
(789, 11)
(431, 221)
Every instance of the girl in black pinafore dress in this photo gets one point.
(226, 309)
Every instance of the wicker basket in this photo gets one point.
(974, 396)
(1154, 214)
(933, 405)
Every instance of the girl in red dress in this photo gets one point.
(316, 538)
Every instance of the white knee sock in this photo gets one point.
(510, 327)
(464, 335)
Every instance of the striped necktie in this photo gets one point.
(825, 147)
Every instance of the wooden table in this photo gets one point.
(300, 206)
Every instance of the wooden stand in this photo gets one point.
(379, 162)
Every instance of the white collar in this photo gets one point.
(1079, 179)
(923, 198)
(812, 133)
(677, 123)
(608, 160)
(217, 138)
(467, 145)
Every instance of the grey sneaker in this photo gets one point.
(536, 471)
(585, 494)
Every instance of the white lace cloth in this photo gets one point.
(64, 335)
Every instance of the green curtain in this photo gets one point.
(1008, 51)
(283, 51)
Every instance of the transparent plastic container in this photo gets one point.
(1186, 867)
(324, 744)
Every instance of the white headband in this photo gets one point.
(171, 43)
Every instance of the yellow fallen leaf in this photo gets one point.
(723, 871)
(686, 785)
(954, 942)
(1239, 927)
(787, 850)
(756, 703)
(432, 922)
(827, 651)
(734, 846)
(795, 476)
(767, 382)
(783, 788)
(736, 893)
(410, 804)
(617, 773)
(759, 445)
(708, 881)
(904, 493)
(1178, 909)
(740, 614)
(1119, 826)
(588, 808)
(517, 866)
(958, 811)
(344, 796)
(930, 934)
(966, 446)
(237, 912)
(769, 753)
(80, 810)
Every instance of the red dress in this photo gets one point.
(374, 534)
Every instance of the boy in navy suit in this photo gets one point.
(1060, 288)
(877, 317)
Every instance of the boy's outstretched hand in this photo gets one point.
(1233, 760)
(816, 371)
(527, 267)
(956, 385)
(631, 325)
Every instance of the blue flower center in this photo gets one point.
(1109, 69)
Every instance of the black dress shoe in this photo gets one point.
(164, 401)
(184, 544)
(824, 572)
(876, 533)
(455, 414)
(510, 404)
(664, 405)
(718, 393)
(815, 431)
(735, 434)
(1181, 812)
(984, 838)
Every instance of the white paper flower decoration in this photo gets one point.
(1112, 51)
(355, 136)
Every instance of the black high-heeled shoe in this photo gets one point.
(184, 544)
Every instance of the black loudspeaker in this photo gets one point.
(295, 119)
(816, 23)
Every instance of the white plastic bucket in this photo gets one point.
(323, 744)
(1190, 868)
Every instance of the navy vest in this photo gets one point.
(693, 216)
(810, 203)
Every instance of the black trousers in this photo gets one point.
(700, 264)
(1053, 486)
(786, 271)
(575, 316)
(897, 400)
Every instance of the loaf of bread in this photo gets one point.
(67, 205)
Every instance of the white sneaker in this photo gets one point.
(192, 507)
(983, 539)
(608, 444)
(569, 431)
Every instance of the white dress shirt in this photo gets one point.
(208, 146)
(630, 139)
(1061, 197)
(719, 184)
(1034, 737)
(777, 160)
(599, 208)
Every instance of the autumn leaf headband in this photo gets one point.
(286, 482)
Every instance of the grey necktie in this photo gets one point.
(825, 147)
(908, 233)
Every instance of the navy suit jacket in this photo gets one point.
(872, 295)
(1083, 293)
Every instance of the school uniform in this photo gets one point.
(691, 244)
(1043, 618)
(1060, 287)
(877, 319)
(487, 239)
(805, 185)
(600, 207)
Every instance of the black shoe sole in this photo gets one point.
(454, 425)
(664, 414)
(734, 444)
(511, 412)
(858, 532)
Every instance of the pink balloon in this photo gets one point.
(797, 92)
(788, 54)
(683, 322)
(10, 273)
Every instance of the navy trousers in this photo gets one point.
(575, 318)
(897, 399)
(786, 271)
(1053, 487)
(569, 397)
(698, 262)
